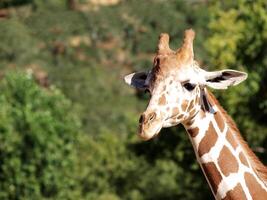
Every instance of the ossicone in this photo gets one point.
(186, 52)
(163, 45)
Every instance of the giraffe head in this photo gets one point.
(177, 86)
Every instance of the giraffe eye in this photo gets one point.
(189, 86)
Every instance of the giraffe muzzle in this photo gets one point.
(149, 125)
(147, 118)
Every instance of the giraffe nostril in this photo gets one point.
(141, 119)
(147, 118)
(152, 116)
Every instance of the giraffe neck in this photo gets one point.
(223, 156)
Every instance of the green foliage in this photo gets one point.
(9, 3)
(38, 135)
(48, 154)
(111, 162)
(239, 41)
(135, 170)
(17, 43)
(40, 4)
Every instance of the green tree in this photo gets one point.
(10, 3)
(86, 54)
(38, 132)
(16, 42)
(239, 41)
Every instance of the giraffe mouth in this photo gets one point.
(147, 134)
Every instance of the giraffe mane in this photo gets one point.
(257, 165)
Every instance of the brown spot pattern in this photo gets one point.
(243, 159)
(255, 189)
(190, 122)
(208, 140)
(227, 162)
(162, 100)
(202, 114)
(184, 105)
(175, 111)
(193, 131)
(236, 193)
(191, 105)
(197, 99)
(230, 138)
(192, 113)
(220, 121)
(213, 175)
(180, 116)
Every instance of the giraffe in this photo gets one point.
(179, 95)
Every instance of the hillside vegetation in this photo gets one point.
(68, 122)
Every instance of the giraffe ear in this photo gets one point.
(224, 78)
(137, 80)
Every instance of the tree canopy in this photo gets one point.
(76, 138)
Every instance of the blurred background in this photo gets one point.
(67, 120)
